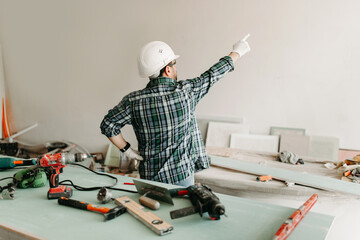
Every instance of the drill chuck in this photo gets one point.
(217, 209)
(79, 157)
(68, 158)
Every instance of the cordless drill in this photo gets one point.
(203, 200)
(55, 163)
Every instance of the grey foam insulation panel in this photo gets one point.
(252, 142)
(297, 144)
(218, 134)
(324, 147)
(203, 123)
(284, 130)
(312, 180)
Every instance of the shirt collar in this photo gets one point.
(161, 80)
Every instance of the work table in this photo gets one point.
(33, 213)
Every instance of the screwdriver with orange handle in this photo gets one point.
(109, 213)
(10, 162)
(264, 178)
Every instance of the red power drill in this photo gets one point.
(56, 163)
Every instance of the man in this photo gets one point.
(171, 148)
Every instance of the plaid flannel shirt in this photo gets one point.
(162, 116)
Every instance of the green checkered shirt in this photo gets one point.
(162, 115)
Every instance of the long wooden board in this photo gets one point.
(306, 179)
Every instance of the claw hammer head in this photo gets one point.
(114, 212)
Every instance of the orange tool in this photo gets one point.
(290, 224)
(10, 162)
(109, 213)
(347, 173)
(264, 178)
(56, 163)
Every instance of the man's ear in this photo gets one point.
(167, 71)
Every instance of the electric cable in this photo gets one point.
(68, 182)
(9, 185)
(7, 178)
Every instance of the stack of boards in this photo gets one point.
(237, 135)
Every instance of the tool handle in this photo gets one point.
(176, 192)
(183, 212)
(27, 162)
(72, 203)
(150, 203)
(6, 162)
(54, 177)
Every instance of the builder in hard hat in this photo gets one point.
(170, 145)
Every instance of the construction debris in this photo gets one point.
(290, 157)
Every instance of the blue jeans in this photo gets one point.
(187, 182)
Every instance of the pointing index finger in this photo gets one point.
(246, 37)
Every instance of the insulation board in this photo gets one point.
(252, 142)
(218, 134)
(324, 147)
(247, 218)
(326, 183)
(203, 123)
(284, 130)
(295, 143)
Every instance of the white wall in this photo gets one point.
(67, 62)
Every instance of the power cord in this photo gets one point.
(9, 194)
(80, 188)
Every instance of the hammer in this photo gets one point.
(109, 213)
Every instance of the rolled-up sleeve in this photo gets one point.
(201, 85)
(116, 118)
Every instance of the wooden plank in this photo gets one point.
(306, 179)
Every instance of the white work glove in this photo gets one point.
(132, 154)
(242, 47)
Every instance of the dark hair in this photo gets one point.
(162, 71)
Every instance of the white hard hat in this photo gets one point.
(153, 57)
